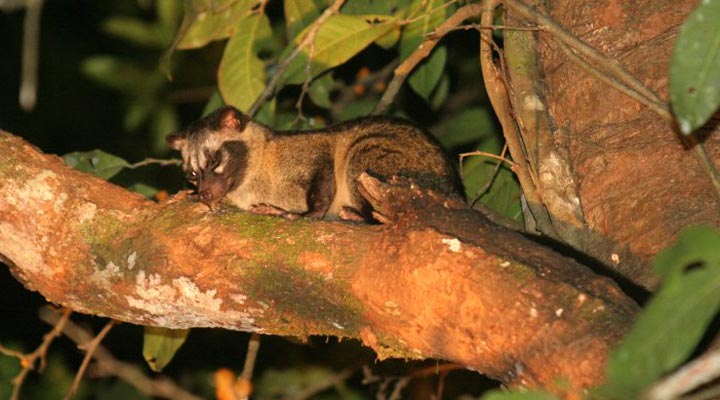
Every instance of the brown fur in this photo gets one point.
(311, 173)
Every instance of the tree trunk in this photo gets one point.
(616, 179)
(439, 281)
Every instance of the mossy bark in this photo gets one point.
(439, 281)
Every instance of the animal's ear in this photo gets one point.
(176, 141)
(232, 118)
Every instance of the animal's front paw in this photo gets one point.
(351, 214)
(268, 209)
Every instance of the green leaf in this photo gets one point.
(209, 25)
(390, 39)
(427, 74)
(695, 68)
(165, 120)
(169, 14)
(357, 108)
(213, 103)
(160, 345)
(384, 7)
(503, 195)
(136, 31)
(472, 126)
(241, 77)
(96, 162)
(144, 189)
(675, 319)
(298, 15)
(503, 395)
(337, 40)
(122, 75)
(439, 97)
(320, 89)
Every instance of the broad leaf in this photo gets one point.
(209, 25)
(427, 74)
(165, 120)
(385, 7)
(241, 77)
(357, 108)
(96, 162)
(675, 319)
(503, 194)
(695, 68)
(439, 97)
(122, 75)
(169, 14)
(136, 31)
(214, 102)
(338, 39)
(160, 345)
(298, 15)
(144, 189)
(472, 126)
(319, 90)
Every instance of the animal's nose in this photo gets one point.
(206, 196)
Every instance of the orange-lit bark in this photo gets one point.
(438, 282)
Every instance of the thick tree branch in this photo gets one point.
(440, 281)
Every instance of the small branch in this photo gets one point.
(501, 157)
(28, 361)
(150, 161)
(424, 50)
(11, 352)
(108, 364)
(243, 386)
(691, 376)
(31, 47)
(89, 350)
(480, 27)
(282, 66)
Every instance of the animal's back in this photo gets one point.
(385, 147)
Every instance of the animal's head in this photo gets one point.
(215, 152)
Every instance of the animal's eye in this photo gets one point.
(215, 161)
(191, 175)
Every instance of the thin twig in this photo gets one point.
(11, 352)
(282, 66)
(500, 157)
(479, 27)
(31, 48)
(246, 375)
(691, 376)
(106, 363)
(89, 350)
(424, 50)
(150, 161)
(28, 361)
(494, 175)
